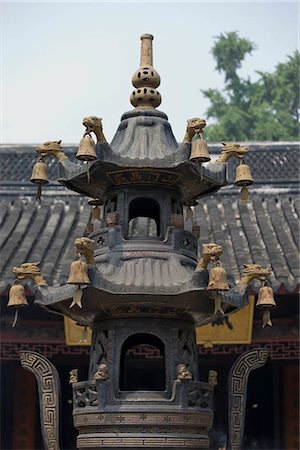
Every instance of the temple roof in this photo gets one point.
(264, 231)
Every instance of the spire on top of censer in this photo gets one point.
(146, 79)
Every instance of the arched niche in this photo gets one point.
(144, 218)
(138, 373)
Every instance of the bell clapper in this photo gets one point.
(77, 296)
(15, 318)
(267, 318)
(88, 173)
(244, 194)
(218, 304)
(84, 335)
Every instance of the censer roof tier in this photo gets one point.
(144, 149)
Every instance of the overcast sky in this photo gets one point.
(64, 61)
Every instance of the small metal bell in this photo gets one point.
(17, 297)
(217, 279)
(79, 276)
(87, 149)
(199, 150)
(243, 178)
(78, 273)
(266, 302)
(39, 173)
(243, 175)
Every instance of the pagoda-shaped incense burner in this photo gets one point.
(146, 284)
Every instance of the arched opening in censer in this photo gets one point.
(137, 372)
(144, 218)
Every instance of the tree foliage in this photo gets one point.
(266, 109)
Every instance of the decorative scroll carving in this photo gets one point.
(237, 392)
(85, 394)
(49, 388)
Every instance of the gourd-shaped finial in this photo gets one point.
(146, 79)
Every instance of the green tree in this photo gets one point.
(266, 109)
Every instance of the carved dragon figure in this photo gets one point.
(253, 272)
(85, 246)
(52, 148)
(94, 124)
(31, 271)
(210, 252)
(231, 150)
(194, 126)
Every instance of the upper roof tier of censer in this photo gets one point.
(141, 253)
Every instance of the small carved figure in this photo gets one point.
(102, 372)
(32, 271)
(86, 246)
(231, 150)
(210, 252)
(94, 124)
(213, 378)
(183, 373)
(194, 126)
(253, 272)
(52, 148)
(73, 376)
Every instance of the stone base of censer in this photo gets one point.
(127, 404)
(144, 421)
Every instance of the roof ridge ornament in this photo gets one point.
(146, 79)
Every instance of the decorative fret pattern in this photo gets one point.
(48, 386)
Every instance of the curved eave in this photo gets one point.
(104, 299)
(193, 179)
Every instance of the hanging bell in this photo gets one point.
(266, 302)
(87, 149)
(79, 276)
(17, 296)
(217, 279)
(39, 173)
(199, 149)
(39, 176)
(78, 273)
(243, 175)
(243, 178)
